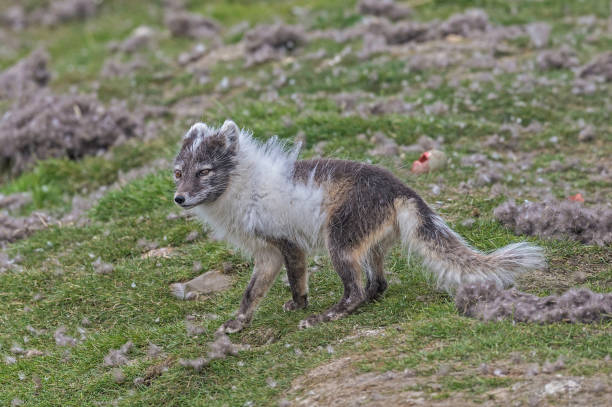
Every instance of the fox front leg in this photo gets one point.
(268, 262)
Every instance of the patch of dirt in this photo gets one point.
(339, 383)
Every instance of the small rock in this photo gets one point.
(192, 236)
(516, 358)
(141, 37)
(444, 370)
(499, 372)
(549, 367)
(538, 34)
(468, 223)
(561, 386)
(587, 134)
(30, 353)
(208, 283)
(17, 350)
(118, 376)
(532, 370)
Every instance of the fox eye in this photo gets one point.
(203, 173)
(178, 174)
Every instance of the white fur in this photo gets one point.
(263, 200)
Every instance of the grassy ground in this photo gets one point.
(414, 326)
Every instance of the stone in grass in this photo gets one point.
(567, 386)
(539, 33)
(208, 283)
(118, 376)
(192, 236)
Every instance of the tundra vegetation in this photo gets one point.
(95, 96)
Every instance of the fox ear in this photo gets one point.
(230, 132)
(197, 130)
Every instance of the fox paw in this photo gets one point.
(292, 305)
(231, 326)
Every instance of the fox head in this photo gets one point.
(203, 167)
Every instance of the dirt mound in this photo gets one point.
(487, 302)
(57, 12)
(600, 66)
(564, 57)
(466, 24)
(15, 228)
(67, 10)
(384, 8)
(27, 75)
(267, 42)
(45, 125)
(182, 23)
(558, 219)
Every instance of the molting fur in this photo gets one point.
(261, 199)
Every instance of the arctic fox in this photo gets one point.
(261, 199)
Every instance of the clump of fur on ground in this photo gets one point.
(26, 76)
(46, 125)
(269, 42)
(485, 301)
(220, 348)
(558, 219)
(384, 8)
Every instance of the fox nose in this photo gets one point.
(179, 199)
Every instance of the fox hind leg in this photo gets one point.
(375, 272)
(349, 270)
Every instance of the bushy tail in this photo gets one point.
(452, 261)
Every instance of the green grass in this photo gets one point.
(57, 285)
